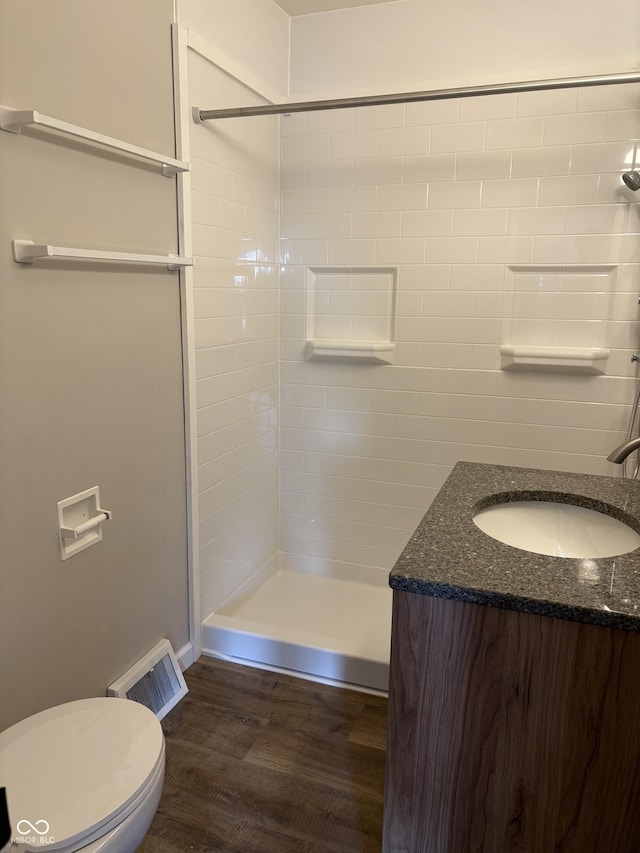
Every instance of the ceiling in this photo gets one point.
(308, 7)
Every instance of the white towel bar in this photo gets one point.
(26, 252)
(14, 120)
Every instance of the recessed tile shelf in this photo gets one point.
(561, 359)
(558, 317)
(350, 313)
(377, 352)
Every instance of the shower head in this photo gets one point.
(632, 180)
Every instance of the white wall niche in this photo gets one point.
(558, 317)
(350, 313)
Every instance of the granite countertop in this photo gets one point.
(448, 556)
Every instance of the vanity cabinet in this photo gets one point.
(510, 731)
(514, 695)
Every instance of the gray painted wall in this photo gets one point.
(90, 356)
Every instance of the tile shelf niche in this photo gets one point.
(382, 352)
(350, 313)
(564, 359)
(557, 318)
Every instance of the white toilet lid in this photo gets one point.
(71, 769)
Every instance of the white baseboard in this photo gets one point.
(185, 656)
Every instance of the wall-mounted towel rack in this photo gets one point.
(14, 120)
(26, 252)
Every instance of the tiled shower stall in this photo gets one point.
(423, 243)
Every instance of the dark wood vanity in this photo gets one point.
(510, 728)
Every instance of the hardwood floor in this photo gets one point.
(264, 763)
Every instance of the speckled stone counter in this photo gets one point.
(449, 557)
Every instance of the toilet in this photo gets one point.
(84, 776)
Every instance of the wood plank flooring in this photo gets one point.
(264, 763)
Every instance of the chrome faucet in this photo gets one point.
(620, 453)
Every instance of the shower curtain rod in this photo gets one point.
(409, 97)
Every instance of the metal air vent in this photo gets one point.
(155, 681)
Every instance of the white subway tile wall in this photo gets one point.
(465, 198)
(235, 211)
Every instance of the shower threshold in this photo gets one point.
(332, 626)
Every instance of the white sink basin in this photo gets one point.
(557, 529)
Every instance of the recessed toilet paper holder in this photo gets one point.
(80, 520)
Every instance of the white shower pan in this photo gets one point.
(332, 626)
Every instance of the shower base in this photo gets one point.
(332, 626)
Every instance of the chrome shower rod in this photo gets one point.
(409, 97)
